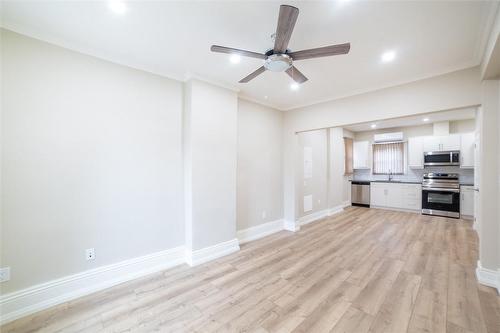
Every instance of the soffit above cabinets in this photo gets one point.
(443, 116)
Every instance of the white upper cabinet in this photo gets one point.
(432, 143)
(361, 155)
(416, 152)
(450, 142)
(467, 150)
(442, 143)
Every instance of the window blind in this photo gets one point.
(388, 158)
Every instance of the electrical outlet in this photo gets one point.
(90, 254)
(319, 201)
(264, 214)
(4, 274)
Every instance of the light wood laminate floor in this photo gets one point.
(363, 270)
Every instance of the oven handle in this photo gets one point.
(436, 189)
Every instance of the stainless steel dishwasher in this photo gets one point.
(360, 193)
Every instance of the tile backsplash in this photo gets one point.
(466, 175)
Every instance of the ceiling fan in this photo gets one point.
(280, 58)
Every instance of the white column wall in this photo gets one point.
(489, 182)
(210, 137)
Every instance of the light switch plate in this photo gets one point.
(4, 274)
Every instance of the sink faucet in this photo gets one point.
(390, 175)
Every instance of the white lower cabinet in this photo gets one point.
(412, 196)
(378, 195)
(467, 201)
(393, 195)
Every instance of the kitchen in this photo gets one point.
(422, 164)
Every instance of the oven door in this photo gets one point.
(441, 202)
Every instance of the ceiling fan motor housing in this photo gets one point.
(278, 62)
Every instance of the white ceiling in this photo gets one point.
(433, 117)
(173, 39)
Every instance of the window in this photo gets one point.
(348, 159)
(388, 158)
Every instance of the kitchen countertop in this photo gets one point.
(402, 181)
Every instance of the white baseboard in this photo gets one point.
(197, 257)
(398, 209)
(320, 214)
(488, 277)
(291, 226)
(259, 231)
(313, 217)
(346, 203)
(42, 296)
(336, 210)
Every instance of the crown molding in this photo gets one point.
(485, 34)
(256, 101)
(189, 76)
(68, 46)
(467, 65)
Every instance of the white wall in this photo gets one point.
(210, 134)
(347, 184)
(489, 181)
(337, 190)
(91, 158)
(260, 187)
(316, 185)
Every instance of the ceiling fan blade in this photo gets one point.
(286, 21)
(252, 75)
(321, 52)
(296, 75)
(230, 50)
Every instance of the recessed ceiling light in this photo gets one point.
(388, 56)
(266, 97)
(294, 86)
(235, 58)
(425, 119)
(373, 125)
(117, 6)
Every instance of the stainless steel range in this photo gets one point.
(441, 194)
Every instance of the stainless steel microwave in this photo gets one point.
(436, 158)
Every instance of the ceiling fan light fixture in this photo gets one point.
(280, 58)
(278, 63)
